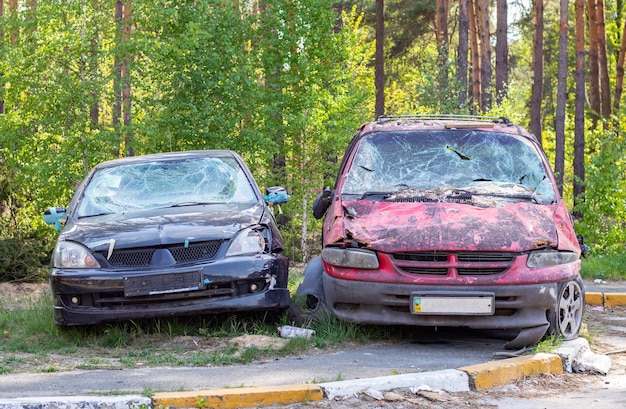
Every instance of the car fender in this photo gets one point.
(312, 283)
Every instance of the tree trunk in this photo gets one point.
(619, 72)
(116, 108)
(579, 117)
(605, 85)
(482, 18)
(1, 73)
(594, 68)
(13, 10)
(94, 109)
(559, 158)
(537, 88)
(379, 68)
(443, 41)
(462, 50)
(502, 51)
(126, 86)
(475, 58)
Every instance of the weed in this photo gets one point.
(548, 344)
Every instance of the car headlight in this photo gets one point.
(68, 254)
(352, 258)
(538, 259)
(246, 242)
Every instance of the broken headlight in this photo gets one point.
(538, 259)
(351, 258)
(68, 254)
(247, 242)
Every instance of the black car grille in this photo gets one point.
(444, 263)
(142, 257)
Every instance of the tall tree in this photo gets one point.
(443, 40)
(537, 87)
(379, 79)
(1, 47)
(619, 71)
(462, 50)
(116, 113)
(559, 157)
(605, 87)
(579, 115)
(126, 84)
(502, 50)
(475, 57)
(482, 18)
(594, 64)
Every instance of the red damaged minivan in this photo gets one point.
(448, 221)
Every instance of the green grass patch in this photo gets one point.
(604, 267)
(29, 331)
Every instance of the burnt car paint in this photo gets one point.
(448, 242)
(169, 260)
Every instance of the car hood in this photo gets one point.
(398, 227)
(163, 226)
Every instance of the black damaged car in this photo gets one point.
(181, 233)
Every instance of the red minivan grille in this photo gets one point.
(443, 263)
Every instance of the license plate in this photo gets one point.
(162, 283)
(430, 304)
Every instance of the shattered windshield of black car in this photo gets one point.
(150, 185)
(458, 159)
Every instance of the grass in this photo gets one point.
(31, 331)
(604, 267)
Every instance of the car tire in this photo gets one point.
(566, 320)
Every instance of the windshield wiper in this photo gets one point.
(185, 204)
(95, 215)
(374, 193)
(519, 196)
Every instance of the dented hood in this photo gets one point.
(163, 226)
(398, 227)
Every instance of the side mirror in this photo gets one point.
(322, 202)
(276, 195)
(584, 249)
(55, 216)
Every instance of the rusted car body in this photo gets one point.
(448, 221)
(181, 233)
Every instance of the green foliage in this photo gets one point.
(285, 83)
(23, 260)
(604, 266)
(604, 203)
(280, 85)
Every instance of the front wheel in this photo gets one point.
(567, 319)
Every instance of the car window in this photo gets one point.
(462, 159)
(149, 185)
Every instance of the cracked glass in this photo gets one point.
(436, 163)
(157, 184)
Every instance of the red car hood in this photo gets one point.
(398, 227)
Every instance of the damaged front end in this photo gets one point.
(448, 227)
(181, 233)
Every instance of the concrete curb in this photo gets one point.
(607, 299)
(78, 402)
(475, 377)
(239, 397)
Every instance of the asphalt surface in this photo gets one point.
(381, 366)
(366, 362)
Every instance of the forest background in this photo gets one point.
(286, 83)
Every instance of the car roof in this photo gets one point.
(165, 156)
(442, 121)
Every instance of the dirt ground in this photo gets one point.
(606, 329)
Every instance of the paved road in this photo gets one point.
(447, 349)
